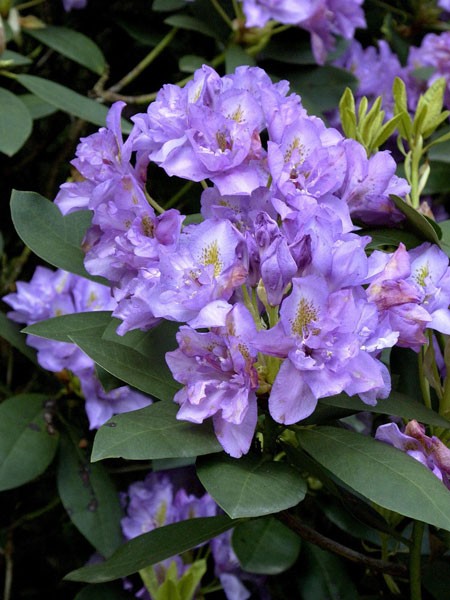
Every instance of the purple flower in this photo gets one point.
(219, 377)
(375, 69)
(411, 289)
(55, 293)
(161, 500)
(430, 451)
(322, 337)
(432, 54)
(71, 4)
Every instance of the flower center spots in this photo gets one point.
(237, 115)
(147, 226)
(92, 299)
(211, 256)
(306, 314)
(421, 274)
(222, 141)
(295, 145)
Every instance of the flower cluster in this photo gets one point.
(160, 499)
(276, 291)
(323, 19)
(377, 68)
(55, 293)
(430, 451)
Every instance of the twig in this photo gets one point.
(311, 535)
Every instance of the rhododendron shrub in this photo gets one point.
(235, 305)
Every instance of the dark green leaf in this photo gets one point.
(445, 241)
(102, 591)
(59, 328)
(153, 432)
(137, 358)
(89, 497)
(167, 5)
(320, 88)
(14, 59)
(37, 108)
(235, 56)
(397, 405)
(438, 181)
(108, 381)
(190, 23)
(190, 63)
(67, 100)
(419, 224)
(52, 236)
(252, 539)
(153, 547)
(380, 473)
(11, 333)
(300, 52)
(323, 575)
(250, 487)
(391, 237)
(73, 45)
(26, 448)
(15, 122)
(436, 578)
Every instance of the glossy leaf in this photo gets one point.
(397, 405)
(323, 575)
(190, 23)
(153, 432)
(37, 108)
(252, 539)
(380, 473)
(67, 100)
(167, 5)
(73, 45)
(9, 58)
(417, 223)
(89, 497)
(59, 328)
(52, 236)
(250, 487)
(102, 591)
(26, 447)
(10, 332)
(391, 238)
(153, 547)
(15, 123)
(137, 358)
(320, 88)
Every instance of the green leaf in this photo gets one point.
(73, 45)
(397, 405)
(102, 591)
(190, 23)
(323, 575)
(189, 63)
(37, 108)
(153, 432)
(250, 487)
(108, 381)
(137, 358)
(14, 59)
(67, 100)
(320, 88)
(15, 123)
(380, 473)
(26, 447)
(235, 56)
(153, 547)
(167, 5)
(89, 497)
(252, 539)
(11, 333)
(59, 328)
(419, 224)
(391, 238)
(300, 52)
(438, 181)
(52, 236)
